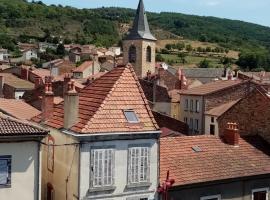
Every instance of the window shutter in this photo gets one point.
(3, 172)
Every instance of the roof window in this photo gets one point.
(131, 116)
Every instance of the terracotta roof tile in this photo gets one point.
(83, 66)
(219, 110)
(16, 82)
(216, 161)
(101, 105)
(18, 109)
(10, 126)
(211, 87)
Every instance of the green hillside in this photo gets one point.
(21, 20)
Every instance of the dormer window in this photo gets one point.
(131, 116)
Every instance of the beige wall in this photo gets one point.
(141, 67)
(24, 171)
(175, 110)
(192, 115)
(162, 107)
(66, 162)
(208, 122)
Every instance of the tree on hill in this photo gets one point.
(204, 64)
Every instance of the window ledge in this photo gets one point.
(101, 189)
(136, 185)
(5, 186)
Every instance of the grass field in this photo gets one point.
(191, 61)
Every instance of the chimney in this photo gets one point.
(71, 106)
(67, 79)
(231, 135)
(2, 81)
(37, 82)
(47, 102)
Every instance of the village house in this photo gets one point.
(3, 54)
(252, 114)
(207, 167)
(12, 87)
(110, 138)
(86, 69)
(20, 159)
(195, 102)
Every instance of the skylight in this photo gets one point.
(131, 116)
(196, 149)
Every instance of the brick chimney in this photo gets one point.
(47, 102)
(71, 106)
(38, 82)
(67, 79)
(231, 134)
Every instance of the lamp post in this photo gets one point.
(164, 188)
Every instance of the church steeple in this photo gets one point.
(140, 29)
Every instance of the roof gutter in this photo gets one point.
(114, 135)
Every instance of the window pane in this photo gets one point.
(131, 116)
(3, 172)
(259, 195)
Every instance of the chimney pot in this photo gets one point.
(71, 106)
(231, 135)
(47, 102)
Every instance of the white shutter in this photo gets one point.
(3, 172)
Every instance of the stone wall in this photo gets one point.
(252, 115)
(141, 66)
(227, 95)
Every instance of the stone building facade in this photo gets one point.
(140, 45)
(252, 115)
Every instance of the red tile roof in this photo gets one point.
(83, 66)
(18, 109)
(101, 105)
(216, 161)
(219, 110)
(13, 127)
(211, 87)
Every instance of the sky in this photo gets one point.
(255, 11)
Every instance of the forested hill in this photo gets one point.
(21, 20)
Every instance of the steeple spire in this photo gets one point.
(140, 29)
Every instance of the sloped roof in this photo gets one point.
(216, 161)
(211, 87)
(101, 105)
(219, 110)
(83, 66)
(170, 125)
(140, 29)
(16, 82)
(18, 109)
(10, 126)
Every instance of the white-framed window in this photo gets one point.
(138, 165)
(197, 109)
(5, 170)
(191, 105)
(260, 194)
(186, 104)
(213, 197)
(102, 167)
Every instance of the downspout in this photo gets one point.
(79, 173)
(203, 115)
(39, 173)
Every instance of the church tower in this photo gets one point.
(140, 45)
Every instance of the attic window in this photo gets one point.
(131, 116)
(196, 149)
